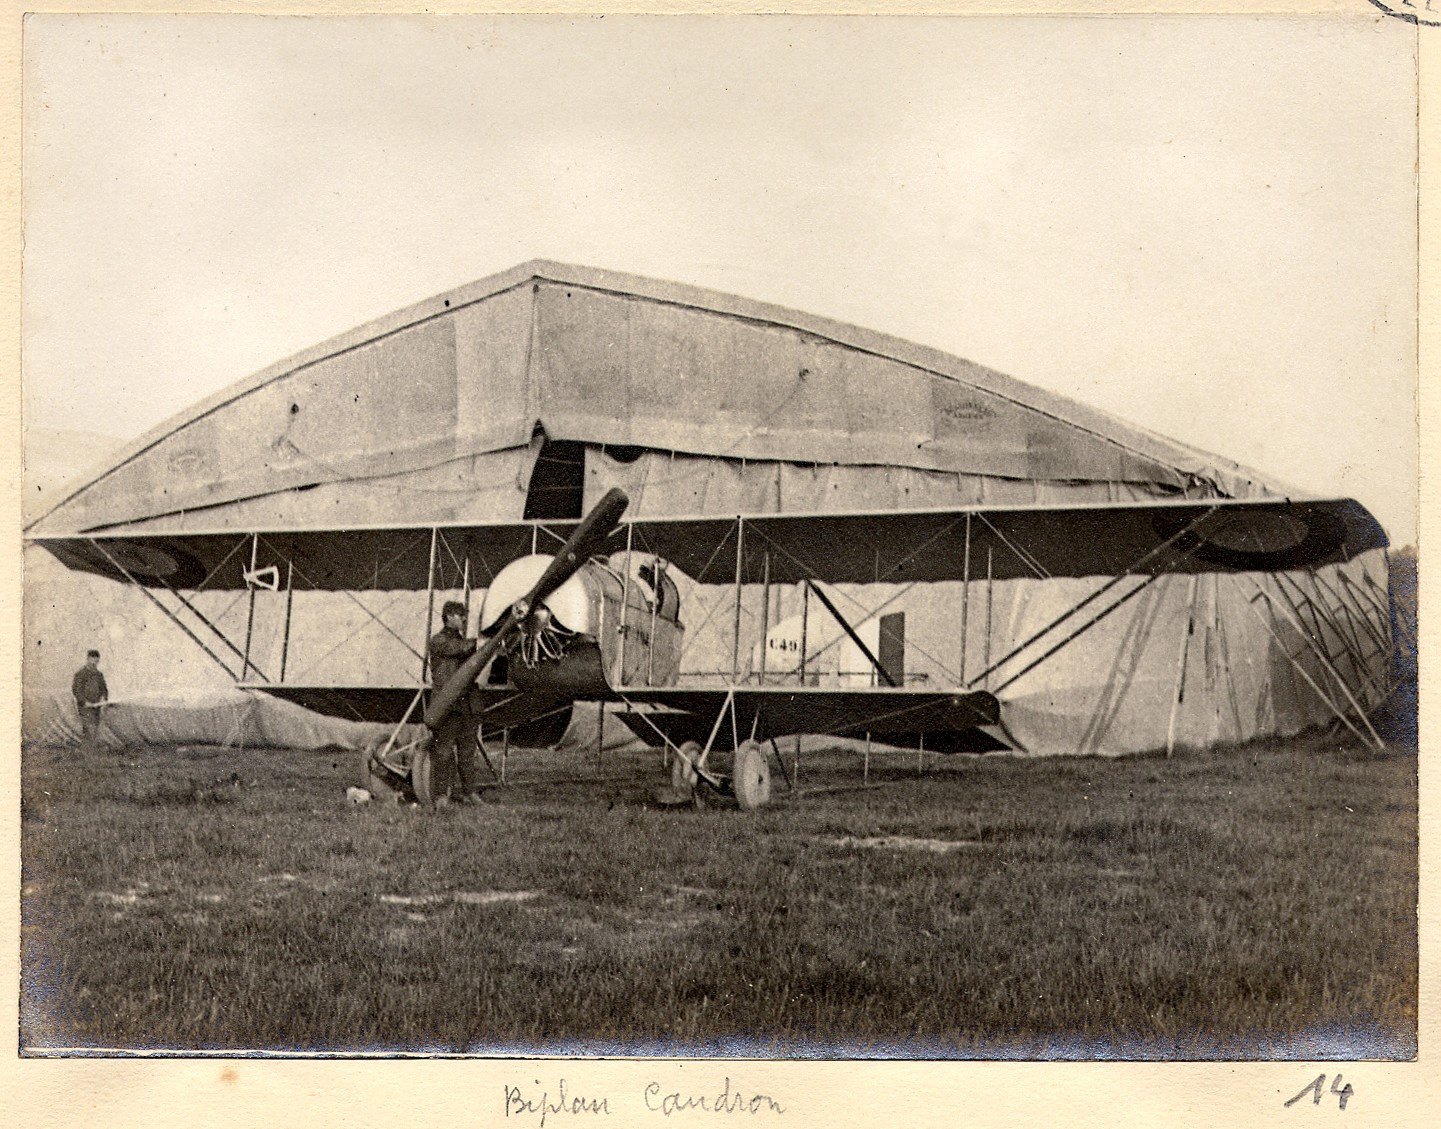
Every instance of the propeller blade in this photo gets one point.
(589, 535)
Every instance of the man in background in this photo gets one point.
(88, 687)
(455, 740)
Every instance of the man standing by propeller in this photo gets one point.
(452, 674)
(455, 736)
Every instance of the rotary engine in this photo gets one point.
(634, 622)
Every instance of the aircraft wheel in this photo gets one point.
(751, 777)
(423, 775)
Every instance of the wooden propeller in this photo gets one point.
(589, 535)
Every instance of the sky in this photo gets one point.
(1205, 225)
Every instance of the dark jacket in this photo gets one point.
(89, 687)
(448, 649)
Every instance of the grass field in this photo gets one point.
(1254, 902)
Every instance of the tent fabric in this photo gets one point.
(696, 403)
(604, 359)
(247, 719)
(211, 717)
(476, 488)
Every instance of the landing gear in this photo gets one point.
(423, 774)
(385, 773)
(749, 780)
(751, 777)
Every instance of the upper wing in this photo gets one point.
(898, 546)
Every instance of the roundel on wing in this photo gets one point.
(1260, 539)
(143, 560)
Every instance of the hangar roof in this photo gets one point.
(451, 390)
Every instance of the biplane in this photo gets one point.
(592, 611)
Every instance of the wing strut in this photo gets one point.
(851, 631)
(170, 615)
(1130, 571)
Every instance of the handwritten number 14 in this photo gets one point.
(1317, 1088)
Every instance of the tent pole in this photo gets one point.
(465, 586)
(736, 642)
(1362, 602)
(1353, 629)
(1224, 646)
(1326, 665)
(429, 603)
(986, 654)
(1132, 644)
(250, 614)
(765, 610)
(965, 595)
(1181, 665)
(657, 571)
(624, 625)
(805, 626)
(1351, 632)
(1350, 642)
(1387, 612)
(1311, 623)
(1380, 745)
(600, 741)
(289, 600)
